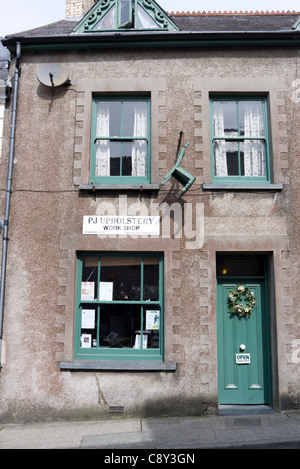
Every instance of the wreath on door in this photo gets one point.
(241, 301)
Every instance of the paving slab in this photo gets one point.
(209, 432)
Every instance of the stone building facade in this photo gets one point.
(80, 332)
(4, 87)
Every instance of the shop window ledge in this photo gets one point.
(117, 365)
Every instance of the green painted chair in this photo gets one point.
(180, 174)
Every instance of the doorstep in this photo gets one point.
(245, 410)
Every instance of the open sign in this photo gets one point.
(242, 358)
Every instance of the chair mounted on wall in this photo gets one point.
(180, 174)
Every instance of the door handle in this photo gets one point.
(242, 347)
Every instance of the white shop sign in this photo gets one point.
(121, 225)
(242, 358)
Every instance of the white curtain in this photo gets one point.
(102, 146)
(254, 158)
(254, 155)
(219, 145)
(139, 147)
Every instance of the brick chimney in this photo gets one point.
(78, 8)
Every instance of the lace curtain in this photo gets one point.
(253, 151)
(103, 146)
(139, 147)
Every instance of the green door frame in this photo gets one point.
(262, 281)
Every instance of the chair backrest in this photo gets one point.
(180, 174)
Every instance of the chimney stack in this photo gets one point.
(78, 8)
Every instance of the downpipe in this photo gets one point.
(8, 191)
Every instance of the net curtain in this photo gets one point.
(252, 124)
(139, 147)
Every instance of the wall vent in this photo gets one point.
(116, 409)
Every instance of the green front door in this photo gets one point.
(244, 371)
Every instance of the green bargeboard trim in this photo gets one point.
(297, 24)
(125, 353)
(98, 12)
(241, 179)
(119, 179)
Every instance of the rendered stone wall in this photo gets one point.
(2, 109)
(47, 208)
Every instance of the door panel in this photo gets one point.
(247, 383)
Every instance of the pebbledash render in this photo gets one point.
(149, 182)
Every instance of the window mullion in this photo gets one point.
(142, 279)
(148, 138)
(98, 304)
(121, 135)
(266, 140)
(94, 133)
(98, 311)
(131, 139)
(161, 302)
(239, 135)
(142, 302)
(239, 139)
(79, 309)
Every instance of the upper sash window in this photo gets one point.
(121, 140)
(240, 146)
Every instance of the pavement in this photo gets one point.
(255, 428)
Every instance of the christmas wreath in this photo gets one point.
(241, 301)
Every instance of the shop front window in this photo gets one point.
(119, 313)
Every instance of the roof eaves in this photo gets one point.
(151, 38)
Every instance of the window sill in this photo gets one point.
(243, 187)
(116, 365)
(118, 187)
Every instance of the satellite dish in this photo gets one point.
(53, 75)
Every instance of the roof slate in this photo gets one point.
(206, 22)
(236, 22)
(63, 27)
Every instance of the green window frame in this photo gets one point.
(119, 306)
(120, 140)
(240, 146)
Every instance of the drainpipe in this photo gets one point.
(4, 223)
